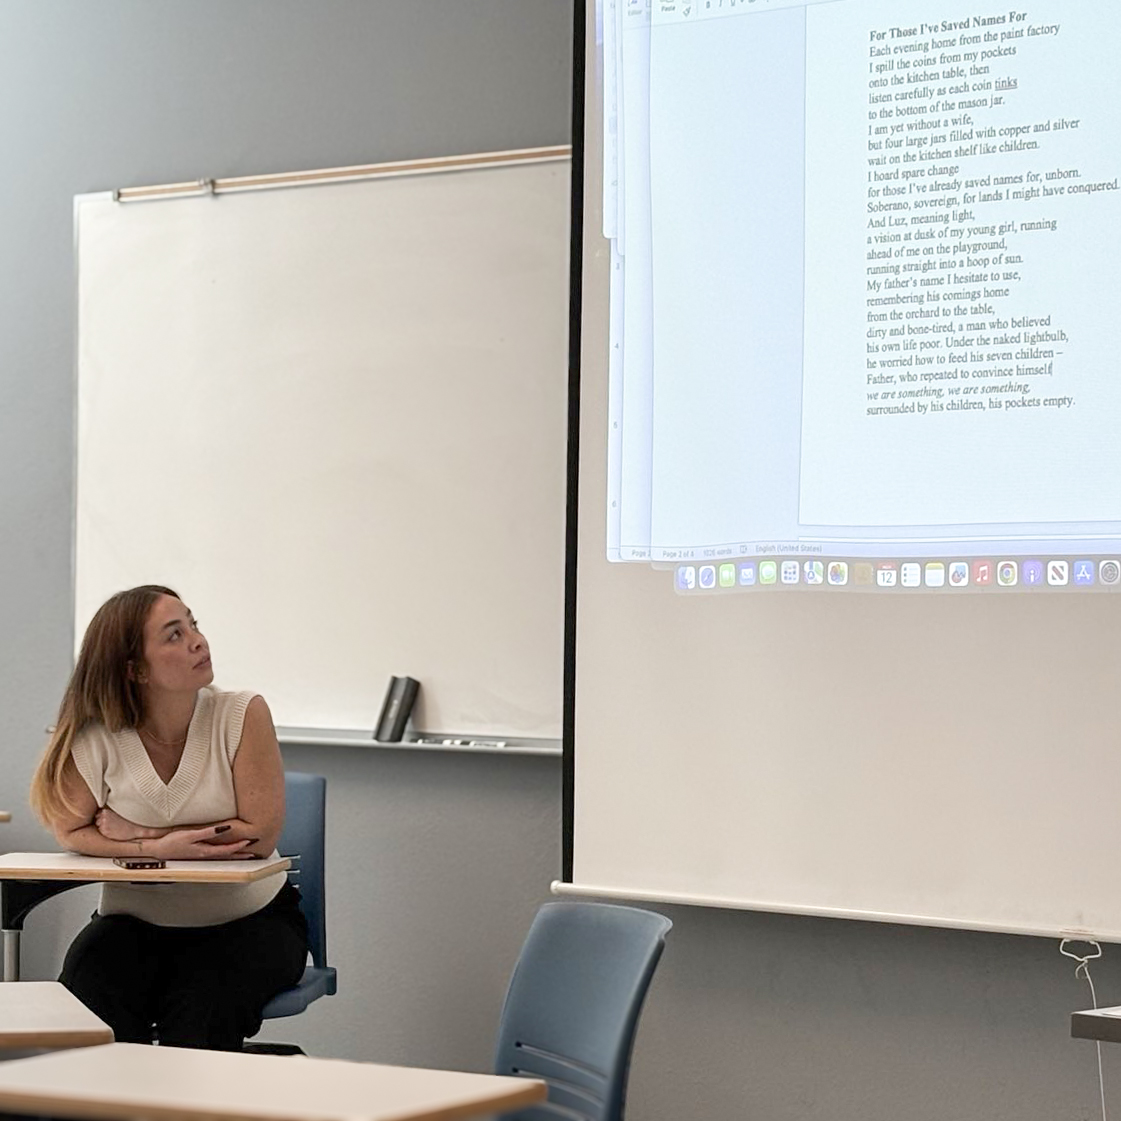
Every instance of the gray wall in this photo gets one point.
(438, 862)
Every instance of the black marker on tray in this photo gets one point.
(398, 704)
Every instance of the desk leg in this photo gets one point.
(11, 955)
(17, 898)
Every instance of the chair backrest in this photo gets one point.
(305, 820)
(572, 1007)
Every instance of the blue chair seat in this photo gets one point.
(312, 985)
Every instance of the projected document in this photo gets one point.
(866, 264)
(962, 245)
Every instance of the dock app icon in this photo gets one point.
(886, 575)
(814, 571)
(1083, 572)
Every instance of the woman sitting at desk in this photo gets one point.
(147, 760)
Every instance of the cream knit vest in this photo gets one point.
(119, 774)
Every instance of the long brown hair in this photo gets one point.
(102, 689)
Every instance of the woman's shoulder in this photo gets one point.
(92, 736)
(224, 712)
(92, 746)
(221, 705)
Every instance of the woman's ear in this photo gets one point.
(136, 673)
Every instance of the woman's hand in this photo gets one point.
(110, 824)
(199, 844)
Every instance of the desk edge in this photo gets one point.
(248, 872)
(36, 1102)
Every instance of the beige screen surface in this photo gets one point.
(931, 760)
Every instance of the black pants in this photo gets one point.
(199, 986)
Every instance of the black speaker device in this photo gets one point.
(399, 700)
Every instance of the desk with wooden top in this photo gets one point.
(47, 1014)
(181, 1084)
(28, 878)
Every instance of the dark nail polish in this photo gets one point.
(221, 828)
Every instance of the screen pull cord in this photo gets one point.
(1083, 970)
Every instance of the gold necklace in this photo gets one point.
(163, 743)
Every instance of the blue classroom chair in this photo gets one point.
(572, 1007)
(302, 839)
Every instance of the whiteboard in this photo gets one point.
(333, 418)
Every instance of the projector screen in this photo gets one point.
(849, 284)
